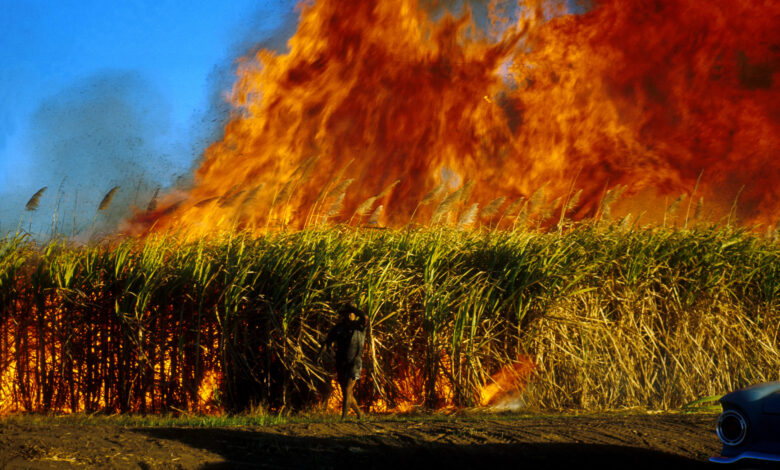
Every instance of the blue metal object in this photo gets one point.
(749, 426)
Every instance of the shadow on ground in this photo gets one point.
(260, 449)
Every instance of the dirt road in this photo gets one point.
(455, 441)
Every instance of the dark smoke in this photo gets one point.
(98, 133)
(112, 129)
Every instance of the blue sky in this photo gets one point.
(99, 93)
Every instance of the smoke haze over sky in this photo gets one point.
(95, 94)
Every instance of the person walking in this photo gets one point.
(348, 337)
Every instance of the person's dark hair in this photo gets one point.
(346, 309)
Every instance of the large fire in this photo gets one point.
(380, 109)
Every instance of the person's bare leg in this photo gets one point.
(349, 399)
(345, 393)
(356, 407)
(353, 400)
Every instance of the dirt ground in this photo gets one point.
(454, 441)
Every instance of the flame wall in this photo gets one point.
(647, 94)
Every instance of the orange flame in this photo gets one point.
(39, 371)
(502, 389)
(508, 383)
(377, 104)
(208, 393)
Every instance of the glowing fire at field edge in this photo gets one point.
(379, 114)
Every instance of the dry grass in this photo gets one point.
(105, 203)
(599, 355)
(32, 204)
